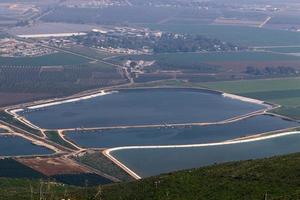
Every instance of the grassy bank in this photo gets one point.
(55, 137)
(8, 118)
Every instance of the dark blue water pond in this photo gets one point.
(149, 162)
(14, 146)
(140, 107)
(183, 135)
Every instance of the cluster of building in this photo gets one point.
(65, 39)
(56, 42)
(137, 66)
(122, 31)
(127, 32)
(13, 48)
(125, 51)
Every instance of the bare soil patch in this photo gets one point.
(51, 166)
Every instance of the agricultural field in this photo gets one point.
(248, 36)
(56, 59)
(32, 83)
(50, 166)
(285, 91)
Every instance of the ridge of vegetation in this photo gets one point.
(270, 178)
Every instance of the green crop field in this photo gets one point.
(46, 60)
(248, 36)
(285, 92)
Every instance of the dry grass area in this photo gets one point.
(51, 166)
